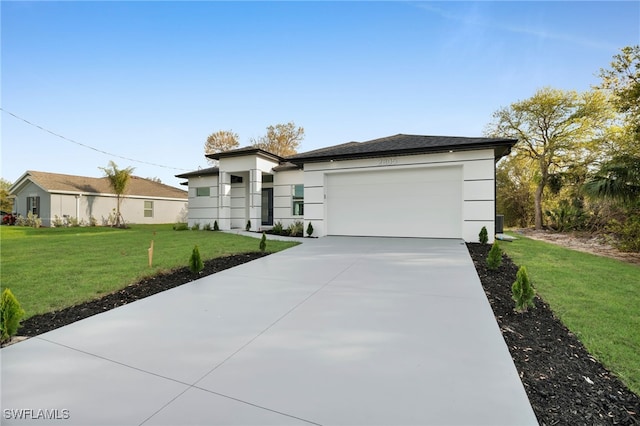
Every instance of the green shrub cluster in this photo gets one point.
(207, 227)
(494, 258)
(10, 315)
(277, 228)
(309, 230)
(195, 261)
(627, 233)
(522, 291)
(483, 236)
(31, 220)
(296, 229)
(195, 227)
(180, 227)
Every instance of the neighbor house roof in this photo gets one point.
(401, 144)
(137, 186)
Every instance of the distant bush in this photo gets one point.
(296, 229)
(215, 225)
(93, 221)
(484, 235)
(57, 222)
(31, 220)
(195, 227)
(522, 291)
(627, 233)
(248, 227)
(310, 230)
(10, 315)
(494, 258)
(207, 227)
(263, 242)
(195, 261)
(180, 227)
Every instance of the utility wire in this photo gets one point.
(85, 145)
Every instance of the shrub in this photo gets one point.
(93, 222)
(263, 242)
(277, 228)
(31, 220)
(627, 233)
(180, 227)
(9, 219)
(215, 225)
(296, 229)
(57, 222)
(522, 291)
(207, 227)
(195, 227)
(248, 227)
(10, 315)
(494, 258)
(310, 230)
(195, 261)
(483, 236)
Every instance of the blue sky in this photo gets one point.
(151, 80)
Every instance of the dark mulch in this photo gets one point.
(565, 384)
(39, 324)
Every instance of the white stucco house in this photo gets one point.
(397, 186)
(52, 194)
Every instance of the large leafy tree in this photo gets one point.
(623, 81)
(555, 129)
(281, 139)
(6, 205)
(222, 140)
(118, 179)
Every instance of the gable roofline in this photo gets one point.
(56, 183)
(402, 144)
(249, 150)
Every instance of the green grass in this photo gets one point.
(52, 268)
(597, 298)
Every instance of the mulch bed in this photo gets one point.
(565, 384)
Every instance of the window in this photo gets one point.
(33, 205)
(204, 191)
(297, 193)
(148, 209)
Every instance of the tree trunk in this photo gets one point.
(538, 205)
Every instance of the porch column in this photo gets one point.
(224, 201)
(255, 199)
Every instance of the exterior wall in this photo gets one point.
(33, 190)
(203, 210)
(283, 199)
(164, 210)
(239, 213)
(478, 199)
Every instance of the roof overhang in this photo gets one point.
(243, 152)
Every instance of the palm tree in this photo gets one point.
(118, 179)
(617, 179)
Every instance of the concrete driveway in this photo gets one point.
(339, 330)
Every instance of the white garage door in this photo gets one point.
(415, 202)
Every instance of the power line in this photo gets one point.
(88, 146)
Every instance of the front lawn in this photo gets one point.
(597, 298)
(52, 268)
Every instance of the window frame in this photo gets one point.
(208, 191)
(297, 201)
(147, 209)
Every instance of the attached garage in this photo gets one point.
(399, 202)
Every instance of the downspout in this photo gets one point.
(78, 207)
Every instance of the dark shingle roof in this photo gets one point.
(138, 186)
(202, 172)
(403, 145)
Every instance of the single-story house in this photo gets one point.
(397, 186)
(86, 198)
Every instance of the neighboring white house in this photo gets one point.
(398, 186)
(66, 196)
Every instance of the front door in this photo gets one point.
(267, 206)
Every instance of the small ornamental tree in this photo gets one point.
(10, 315)
(522, 291)
(310, 230)
(215, 225)
(483, 236)
(195, 261)
(494, 258)
(263, 242)
(248, 227)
